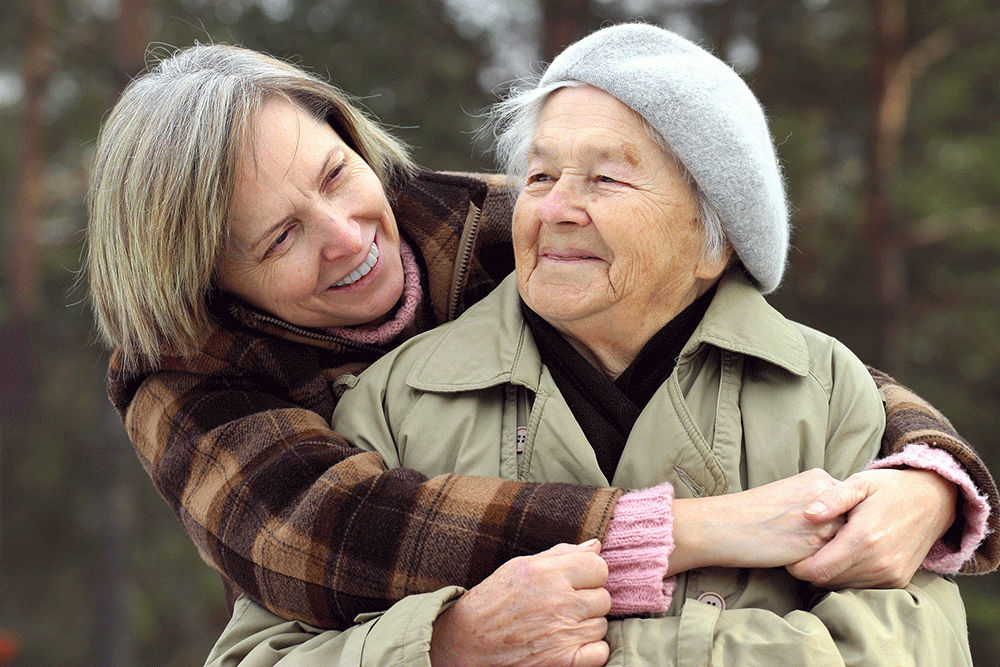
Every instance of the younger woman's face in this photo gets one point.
(312, 239)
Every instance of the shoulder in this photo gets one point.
(833, 365)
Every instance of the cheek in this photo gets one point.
(524, 233)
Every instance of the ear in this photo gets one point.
(710, 268)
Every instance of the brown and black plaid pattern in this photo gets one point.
(911, 419)
(237, 441)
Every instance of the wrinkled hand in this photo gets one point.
(546, 609)
(762, 527)
(894, 517)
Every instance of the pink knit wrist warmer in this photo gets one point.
(637, 550)
(941, 558)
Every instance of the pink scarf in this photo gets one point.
(380, 334)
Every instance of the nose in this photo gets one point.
(338, 234)
(565, 202)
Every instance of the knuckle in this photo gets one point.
(820, 574)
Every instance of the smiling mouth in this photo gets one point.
(361, 270)
(568, 256)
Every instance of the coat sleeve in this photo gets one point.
(400, 635)
(313, 528)
(921, 624)
(912, 420)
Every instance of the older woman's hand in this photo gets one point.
(894, 516)
(546, 609)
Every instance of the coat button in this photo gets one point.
(713, 599)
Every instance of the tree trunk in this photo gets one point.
(25, 255)
(884, 234)
(563, 22)
(114, 645)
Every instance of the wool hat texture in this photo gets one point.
(709, 118)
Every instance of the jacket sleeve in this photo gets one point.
(921, 624)
(399, 636)
(911, 420)
(315, 529)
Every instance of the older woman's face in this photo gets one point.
(605, 229)
(312, 237)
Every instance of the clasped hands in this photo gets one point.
(871, 530)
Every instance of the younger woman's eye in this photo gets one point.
(333, 174)
(282, 237)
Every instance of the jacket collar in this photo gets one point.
(739, 319)
(491, 345)
(487, 346)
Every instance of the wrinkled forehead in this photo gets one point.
(600, 127)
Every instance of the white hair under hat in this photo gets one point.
(708, 117)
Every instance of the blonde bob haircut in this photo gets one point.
(163, 182)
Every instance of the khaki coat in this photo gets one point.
(754, 398)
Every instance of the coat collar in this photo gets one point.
(739, 319)
(491, 345)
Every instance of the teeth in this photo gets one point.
(362, 270)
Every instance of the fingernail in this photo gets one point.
(816, 508)
(589, 543)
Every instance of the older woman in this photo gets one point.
(245, 249)
(629, 348)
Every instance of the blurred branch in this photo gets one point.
(945, 226)
(903, 75)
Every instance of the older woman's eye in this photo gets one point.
(538, 178)
(607, 179)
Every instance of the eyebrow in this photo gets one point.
(626, 153)
(266, 234)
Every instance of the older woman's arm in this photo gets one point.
(551, 602)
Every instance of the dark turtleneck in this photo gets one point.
(606, 410)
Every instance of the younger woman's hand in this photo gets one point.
(893, 519)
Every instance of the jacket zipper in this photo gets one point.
(318, 336)
(460, 274)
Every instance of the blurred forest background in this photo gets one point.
(885, 112)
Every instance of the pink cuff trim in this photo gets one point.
(380, 334)
(941, 558)
(637, 549)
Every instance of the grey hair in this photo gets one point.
(163, 182)
(512, 122)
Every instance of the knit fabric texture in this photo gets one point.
(941, 558)
(710, 119)
(380, 334)
(637, 549)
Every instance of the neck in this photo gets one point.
(599, 338)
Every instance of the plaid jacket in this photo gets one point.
(237, 441)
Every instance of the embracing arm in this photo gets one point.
(939, 510)
(910, 420)
(315, 529)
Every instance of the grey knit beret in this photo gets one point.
(709, 118)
